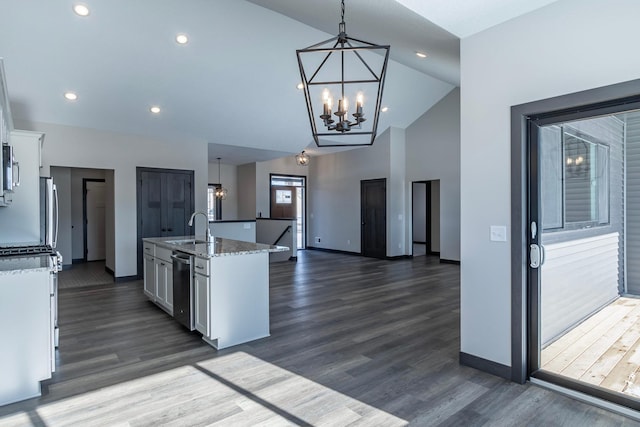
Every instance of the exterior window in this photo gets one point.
(214, 206)
(575, 180)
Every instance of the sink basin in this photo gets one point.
(185, 241)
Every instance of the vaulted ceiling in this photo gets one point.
(233, 84)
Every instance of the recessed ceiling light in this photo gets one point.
(155, 109)
(421, 55)
(300, 86)
(384, 109)
(182, 39)
(71, 96)
(81, 9)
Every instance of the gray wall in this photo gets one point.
(500, 67)
(333, 202)
(334, 194)
(433, 153)
(246, 176)
(229, 180)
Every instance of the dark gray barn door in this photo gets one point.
(165, 203)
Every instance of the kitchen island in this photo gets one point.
(229, 285)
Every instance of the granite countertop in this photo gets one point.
(196, 245)
(22, 264)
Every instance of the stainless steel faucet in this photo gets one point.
(206, 217)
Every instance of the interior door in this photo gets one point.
(373, 205)
(95, 220)
(178, 205)
(165, 201)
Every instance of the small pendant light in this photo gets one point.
(221, 192)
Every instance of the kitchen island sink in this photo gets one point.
(186, 242)
(229, 285)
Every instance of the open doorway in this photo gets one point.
(288, 201)
(425, 223)
(86, 230)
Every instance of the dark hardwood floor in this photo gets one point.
(354, 341)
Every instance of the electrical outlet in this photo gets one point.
(317, 240)
(348, 242)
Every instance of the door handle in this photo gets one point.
(536, 255)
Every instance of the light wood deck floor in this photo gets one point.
(603, 350)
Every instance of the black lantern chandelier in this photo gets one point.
(349, 69)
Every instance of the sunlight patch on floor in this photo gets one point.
(234, 389)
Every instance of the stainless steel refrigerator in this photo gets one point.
(48, 212)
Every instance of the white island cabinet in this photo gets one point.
(158, 276)
(201, 286)
(229, 286)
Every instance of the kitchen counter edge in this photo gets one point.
(220, 247)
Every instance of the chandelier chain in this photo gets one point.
(342, 11)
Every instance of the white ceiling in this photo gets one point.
(234, 84)
(467, 17)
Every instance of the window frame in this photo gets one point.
(589, 224)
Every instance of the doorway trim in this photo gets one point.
(600, 101)
(84, 214)
(428, 216)
(304, 190)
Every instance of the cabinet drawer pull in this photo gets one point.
(162, 263)
(199, 267)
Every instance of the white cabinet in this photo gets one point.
(158, 276)
(149, 276)
(164, 284)
(201, 303)
(25, 313)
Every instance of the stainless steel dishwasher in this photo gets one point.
(183, 289)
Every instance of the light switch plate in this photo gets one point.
(247, 226)
(498, 233)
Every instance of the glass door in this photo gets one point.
(584, 329)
